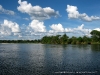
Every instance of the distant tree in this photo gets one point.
(95, 35)
(86, 40)
(79, 40)
(64, 39)
(74, 40)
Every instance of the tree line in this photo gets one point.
(20, 41)
(62, 39)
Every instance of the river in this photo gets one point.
(46, 59)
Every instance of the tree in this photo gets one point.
(64, 39)
(79, 40)
(73, 40)
(95, 35)
(86, 40)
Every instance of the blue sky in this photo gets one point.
(32, 19)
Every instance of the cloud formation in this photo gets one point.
(9, 28)
(4, 11)
(37, 12)
(98, 29)
(37, 26)
(74, 13)
(56, 28)
(82, 30)
(36, 29)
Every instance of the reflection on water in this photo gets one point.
(95, 47)
(42, 59)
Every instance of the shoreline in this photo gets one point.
(48, 43)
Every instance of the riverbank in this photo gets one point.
(61, 39)
(39, 42)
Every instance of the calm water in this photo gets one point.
(41, 59)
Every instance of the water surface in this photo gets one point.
(45, 59)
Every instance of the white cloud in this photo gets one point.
(37, 12)
(68, 30)
(4, 11)
(56, 28)
(9, 27)
(37, 26)
(79, 27)
(74, 13)
(98, 29)
(82, 30)
(12, 25)
(36, 29)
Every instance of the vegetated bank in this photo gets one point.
(62, 39)
(20, 41)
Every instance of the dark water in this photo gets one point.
(39, 59)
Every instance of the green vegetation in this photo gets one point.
(19, 41)
(95, 36)
(62, 39)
